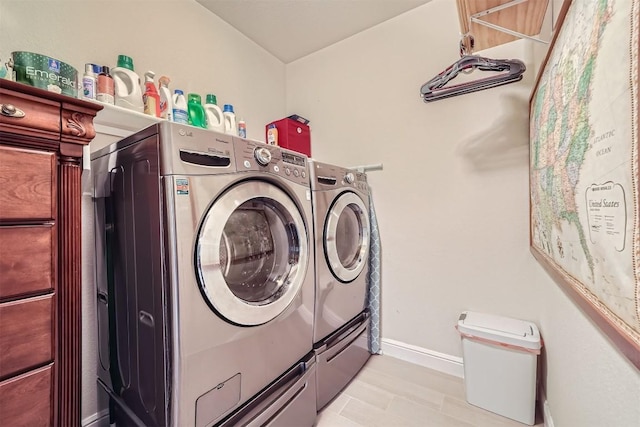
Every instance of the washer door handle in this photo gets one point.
(146, 318)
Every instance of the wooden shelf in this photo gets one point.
(524, 18)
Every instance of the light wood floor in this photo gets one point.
(390, 392)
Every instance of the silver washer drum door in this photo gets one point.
(346, 237)
(251, 253)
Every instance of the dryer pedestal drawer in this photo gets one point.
(26, 334)
(341, 357)
(25, 400)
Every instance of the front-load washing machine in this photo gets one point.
(342, 236)
(205, 280)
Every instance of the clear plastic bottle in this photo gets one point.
(180, 114)
(196, 111)
(242, 129)
(166, 103)
(229, 120)
(272, 134)
(215, 119)
(105, 91)
(89, 82)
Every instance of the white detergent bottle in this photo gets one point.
(128, 93)
(180, 114)
(215, 118)
(229, 120)
(166, 102)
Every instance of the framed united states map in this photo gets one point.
(584, 165)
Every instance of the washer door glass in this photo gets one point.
(251, 253)
(346, 237)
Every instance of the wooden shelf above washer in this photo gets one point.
(525, 18)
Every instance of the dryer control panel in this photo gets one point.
(259, 157)
(326, 177)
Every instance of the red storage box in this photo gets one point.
(293, 134)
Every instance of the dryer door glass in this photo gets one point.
(349, 236)
(251, 253)
(346, 237)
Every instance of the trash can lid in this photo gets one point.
(501, 330)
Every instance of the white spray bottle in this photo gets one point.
(166, 102)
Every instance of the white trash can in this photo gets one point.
(500, 358)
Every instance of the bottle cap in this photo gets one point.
(178, 92)
(228, 108)
(125, 61)
(97, 69)
(195, 97)
(149, 75)
(88, 68)
(211, 99)
(164, 81)
(104, 70)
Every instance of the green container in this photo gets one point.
(197, 115)
(45, 73)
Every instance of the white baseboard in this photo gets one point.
(99, 419)
(446, 363)
(546, 411)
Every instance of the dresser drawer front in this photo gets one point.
(25, 400)
(26, 334)
(27, 184)
(26, 260)
(41, 117)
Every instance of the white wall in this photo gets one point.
(455, 171)
(178, 38)
(452, 202)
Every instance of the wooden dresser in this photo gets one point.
(41, 140)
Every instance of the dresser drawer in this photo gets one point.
(26, 260)
(26, 334)
(25, 400)
(27, 184)
(41, 116)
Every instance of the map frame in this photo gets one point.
(626, 339)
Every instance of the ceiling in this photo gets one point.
(291, 29)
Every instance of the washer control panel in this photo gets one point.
(256, 156)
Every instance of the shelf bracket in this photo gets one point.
(476, 18)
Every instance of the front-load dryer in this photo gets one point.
(342, 237)
(205, 280)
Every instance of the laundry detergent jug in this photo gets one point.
(229, 120)
(128, 93)
(215, 119)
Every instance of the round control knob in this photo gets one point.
(349, 178)
(262, 155)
